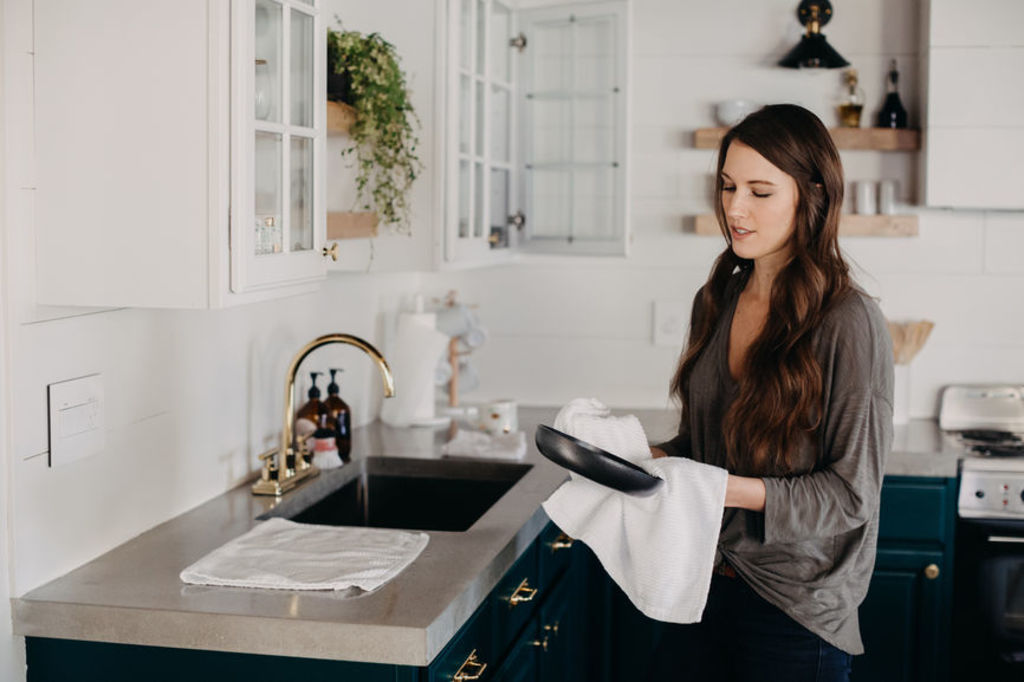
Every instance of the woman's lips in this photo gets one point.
(740, 232)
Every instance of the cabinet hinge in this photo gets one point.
(519, 42)
(517, 220)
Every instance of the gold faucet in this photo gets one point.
(276, 477)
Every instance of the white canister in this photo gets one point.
(887, 197)
(865, 198)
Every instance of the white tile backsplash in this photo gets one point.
(1004, 243)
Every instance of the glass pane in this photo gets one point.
(479, 148)
(499, 124)
(300, 225)
(552, 61)
(267, 84)
(501, 31)
(551, 128)
(550, 211)
(592, 201)
(594, 67)
(465, 34)
(267, 193)
(500, 209)
(592, 130)
(465, 112)
(302, 69)
(479, 219)
(481, 36)
(464, 199)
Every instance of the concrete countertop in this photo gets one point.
(133, 594)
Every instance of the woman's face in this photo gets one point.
(759, 201)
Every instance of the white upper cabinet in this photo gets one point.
(536, 130)
(179, 151)
(974, 137)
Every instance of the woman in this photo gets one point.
(786, 382)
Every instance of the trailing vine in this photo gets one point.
(384, 138)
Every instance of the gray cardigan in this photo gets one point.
(811, 552)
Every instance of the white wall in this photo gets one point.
(191, 397)
(560, 331)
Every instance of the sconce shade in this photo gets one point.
(813, 51)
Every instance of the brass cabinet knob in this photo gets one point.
(542, 643)
(332, 251)
(931, 571)
(471, 669)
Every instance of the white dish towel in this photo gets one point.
(660, 549)
(284, 555)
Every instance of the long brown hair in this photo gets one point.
(780, 391)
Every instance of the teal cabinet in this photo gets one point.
(529, 628)
(905, 618)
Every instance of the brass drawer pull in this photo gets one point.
(931, 571)
(542, 643)
(461, 675)
(522, 594)
(563, 541)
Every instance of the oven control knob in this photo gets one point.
(979, 494)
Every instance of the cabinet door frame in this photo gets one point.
(250, 272)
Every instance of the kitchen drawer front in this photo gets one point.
(555, 552)
(515, 599)
(473, 640)
(915, 509)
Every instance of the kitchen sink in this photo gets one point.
(395, 492)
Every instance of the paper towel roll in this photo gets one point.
(413, 360)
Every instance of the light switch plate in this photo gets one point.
(671, 316)
(77, 427)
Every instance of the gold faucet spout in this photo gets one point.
(288, 477)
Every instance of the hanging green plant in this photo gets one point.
(384, 139)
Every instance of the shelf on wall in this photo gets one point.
(850, 225)
(878, 139)
(340, 118)
(351, 224)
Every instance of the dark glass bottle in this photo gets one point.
(892, 115)
(339, 417)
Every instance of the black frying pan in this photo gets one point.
(594, 463)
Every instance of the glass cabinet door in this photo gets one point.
(278, 118)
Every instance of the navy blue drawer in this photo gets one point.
(470, 650)
(915, 509)
(515, 599)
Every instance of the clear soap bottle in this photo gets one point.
(851, 103)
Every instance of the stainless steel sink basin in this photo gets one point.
(394, 492)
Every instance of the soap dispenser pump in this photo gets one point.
(339, 417)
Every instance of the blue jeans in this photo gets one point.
(743, 638)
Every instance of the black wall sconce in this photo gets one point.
(813, 51)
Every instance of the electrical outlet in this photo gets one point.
(670, 319)
(77, 427)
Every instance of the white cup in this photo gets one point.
(865, 198)
(499, 416)
(887, 197)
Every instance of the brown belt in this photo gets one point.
(725, 570)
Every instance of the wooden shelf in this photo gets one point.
(340, 118)
(878, 139)
(850, 225)
(351, 224)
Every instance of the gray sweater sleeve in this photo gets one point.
(855, 352)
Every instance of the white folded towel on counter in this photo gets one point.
(660, 549)
(284, 555)
(480, 444)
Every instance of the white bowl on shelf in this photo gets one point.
(731, 111)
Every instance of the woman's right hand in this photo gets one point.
(658, 452)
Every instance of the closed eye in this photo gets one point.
(761, 196)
